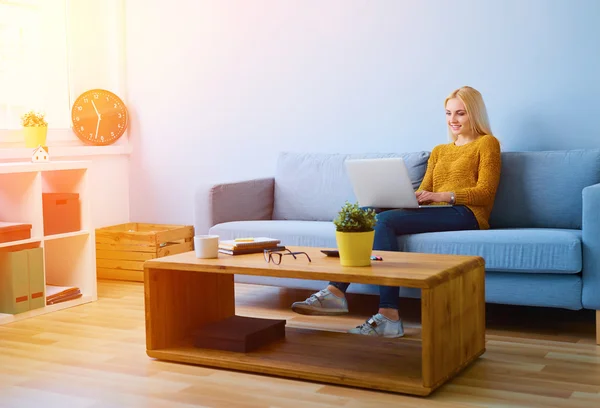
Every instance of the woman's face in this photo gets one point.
(457, 117)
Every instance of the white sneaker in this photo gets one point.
(381, 326)
(322, 303)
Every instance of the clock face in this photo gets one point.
(99, 117)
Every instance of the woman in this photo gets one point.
(464, 172)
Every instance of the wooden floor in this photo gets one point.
(94, 356)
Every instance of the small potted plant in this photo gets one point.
(355, 234)
(35, 129)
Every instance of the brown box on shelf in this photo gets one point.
(62, 213)
(14, 231)
(121, 250)
(239, 334)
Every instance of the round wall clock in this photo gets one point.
(99, 117)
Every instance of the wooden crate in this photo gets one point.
(121, 250)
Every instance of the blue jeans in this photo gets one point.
(394, 222)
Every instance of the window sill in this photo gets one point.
(65, 150)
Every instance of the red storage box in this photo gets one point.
(62, 213)
(14, 231)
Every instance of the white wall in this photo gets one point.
(219, 88)
(109, 188)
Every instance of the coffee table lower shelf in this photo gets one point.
(329, 357)
(183, 294)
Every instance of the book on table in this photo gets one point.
(249, 245)
(239, 333)
(260, 242)
(243, 251)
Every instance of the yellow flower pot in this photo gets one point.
(35, 136)
(355, 247)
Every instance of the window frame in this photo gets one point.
(12, 144)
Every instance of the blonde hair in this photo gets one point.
(475, 107)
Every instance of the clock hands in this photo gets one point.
(99, 118)
(97, 113)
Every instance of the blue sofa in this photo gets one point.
(543, 247)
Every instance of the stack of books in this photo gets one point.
(57, 294)
(241, 246)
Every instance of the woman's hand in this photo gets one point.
(426, 197)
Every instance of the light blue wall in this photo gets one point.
(537, 63)
(218, 88)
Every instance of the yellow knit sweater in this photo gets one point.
(471, 171)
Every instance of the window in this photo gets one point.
(51, 51)
(34, 66)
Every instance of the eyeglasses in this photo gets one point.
(275, 256)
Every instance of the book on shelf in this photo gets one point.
(57, 294)
(260, 242)
(37, 283)
(21, 280)
(242, 251)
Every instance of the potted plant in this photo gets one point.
(355, 234)
(35, 129)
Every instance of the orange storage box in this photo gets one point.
(62, 213)
(14, 231)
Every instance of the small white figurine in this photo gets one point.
(40, 154)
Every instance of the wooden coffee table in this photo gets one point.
(183, 292)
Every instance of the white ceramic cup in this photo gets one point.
(206, 246)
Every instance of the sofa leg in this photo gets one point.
(598, 327)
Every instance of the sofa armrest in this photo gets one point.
(590, 228)
(234, 201)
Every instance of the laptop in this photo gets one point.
(383, 183)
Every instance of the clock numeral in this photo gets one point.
(102, 138)
(80, 108)
(81, 128)
(120, 116)
(120, 126)
(91, 135)
(107, 99)
(96, 96)
(112, 134)
(85, 100)
(115, 105)
(77, 118)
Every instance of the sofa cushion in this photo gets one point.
(303, 233)
(544, 189)
(510, 250)
(314, 186)
(507, 250)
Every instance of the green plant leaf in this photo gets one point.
(352, 218)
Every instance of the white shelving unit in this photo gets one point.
(69, 258)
